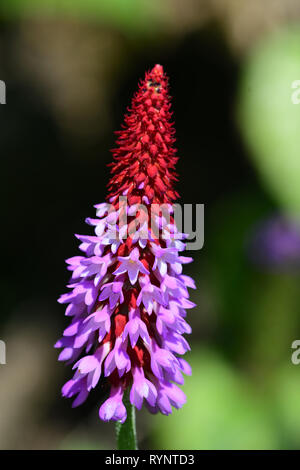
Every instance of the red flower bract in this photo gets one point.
(145, 158)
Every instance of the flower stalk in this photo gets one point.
(126, 432)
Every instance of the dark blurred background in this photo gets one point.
(70, 70)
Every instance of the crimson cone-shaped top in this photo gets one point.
(145, 158)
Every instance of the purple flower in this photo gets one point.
(162, 257)
(89, 367)
(142, 388)
(149, 294)
(132, 265)
(113, 408)
(275, 243)
(98, 321)
(112, 291)
(117, 359)
(135, 328)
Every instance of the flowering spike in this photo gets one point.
(128, 294)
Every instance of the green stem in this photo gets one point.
(126, 432)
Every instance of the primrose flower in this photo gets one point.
(132, 265)
(128, 297)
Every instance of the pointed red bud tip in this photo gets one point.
(145, 152)
(157, 70)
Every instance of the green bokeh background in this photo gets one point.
(70, 69)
